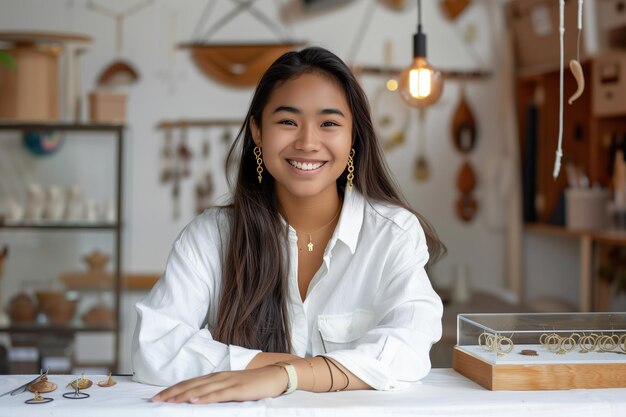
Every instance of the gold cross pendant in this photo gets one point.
(310, 246)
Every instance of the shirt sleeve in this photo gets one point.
(395, 352)
(171, 341)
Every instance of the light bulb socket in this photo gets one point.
(419, 44)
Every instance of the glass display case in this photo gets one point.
(542, 351)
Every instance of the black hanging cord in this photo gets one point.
(419, 15)
(419, 39)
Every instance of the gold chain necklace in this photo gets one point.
(311, 245)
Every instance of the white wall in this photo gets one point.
(175, 89)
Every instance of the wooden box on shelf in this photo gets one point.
(107, 107)
(30, 92)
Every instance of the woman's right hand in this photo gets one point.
(246, 385)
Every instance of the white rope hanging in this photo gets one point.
(559, 150)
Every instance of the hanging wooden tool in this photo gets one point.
(464, 136)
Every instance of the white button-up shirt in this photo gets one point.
(370, 306)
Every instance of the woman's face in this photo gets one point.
(306, 135)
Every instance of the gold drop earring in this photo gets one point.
(350, 169)
(259, 163)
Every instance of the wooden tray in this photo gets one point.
(539, 377)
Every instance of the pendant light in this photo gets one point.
(420, 84)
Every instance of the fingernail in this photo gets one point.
(156, 398)
(171, 400)
(193, 400)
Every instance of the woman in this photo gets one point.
(313, 278)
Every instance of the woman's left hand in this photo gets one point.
(247, 385)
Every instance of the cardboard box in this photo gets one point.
(535, 27)
(31, 91)
(609, 84)
(107, 107)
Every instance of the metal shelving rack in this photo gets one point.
(118, 131)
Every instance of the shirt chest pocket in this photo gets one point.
(341, 331)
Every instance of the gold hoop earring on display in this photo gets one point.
(622, 343)
(483, 341)
(504, 345)
(350, 169)
(259, 163)
(588, 343)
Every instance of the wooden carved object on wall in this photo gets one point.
(453, 8)
(464, 137)
(236, 65)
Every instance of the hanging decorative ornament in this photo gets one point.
(466, 204)
(204, 186)
(237, 64)
(120, 71)
(463, 126)
(574, 64)
(421, 170)
(184, 153)
(167, 157)
(464, 136)
(453, 8)
(227, 137)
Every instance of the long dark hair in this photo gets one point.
(253, 310)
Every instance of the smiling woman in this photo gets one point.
(314, 276)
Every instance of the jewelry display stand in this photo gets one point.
(539, 351)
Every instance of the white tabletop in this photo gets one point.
(442, 393)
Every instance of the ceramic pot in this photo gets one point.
(60, 311)
(22, 309)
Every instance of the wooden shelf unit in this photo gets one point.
(586, 143)
(116, 131)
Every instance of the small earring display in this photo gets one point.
(502, 345)
(78, 384)
(108, 382)
(43, 385)
(585, 343)
(38, 399)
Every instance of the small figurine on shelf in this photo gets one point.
(96, 260)
(55, 204)
(74, 208)
(14, 211)
(35, 202)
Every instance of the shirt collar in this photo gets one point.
(351, 219)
